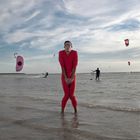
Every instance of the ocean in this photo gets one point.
(108, 109)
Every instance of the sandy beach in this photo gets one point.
(30, 108)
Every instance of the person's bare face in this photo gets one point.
(67, 47)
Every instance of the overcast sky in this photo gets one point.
(37, 29)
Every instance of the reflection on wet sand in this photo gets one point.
(68, 126)
(72, 123)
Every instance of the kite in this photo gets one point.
(19, 62)
(126, 42)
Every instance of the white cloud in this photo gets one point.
(18, 36)
(89, 7)
(41, 57)
(103, 41)
(32, 15)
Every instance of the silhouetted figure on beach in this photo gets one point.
(46, 74)
(97, 74)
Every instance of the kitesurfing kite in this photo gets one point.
(126, 42)
(19, 62)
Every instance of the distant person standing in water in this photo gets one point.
(46, 74)
(68, 60)
(97, 74)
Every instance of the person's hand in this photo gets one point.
(67, 81)
(71, 79)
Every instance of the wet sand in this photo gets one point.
(28, 119)
(30, 109)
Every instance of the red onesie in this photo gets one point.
(68, 62)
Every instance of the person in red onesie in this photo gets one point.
(68, 59)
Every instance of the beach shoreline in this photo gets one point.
(30, 108)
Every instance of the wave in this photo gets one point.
(87, 105)
(114, 108)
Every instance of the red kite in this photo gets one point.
(126, 42)
(19, 63)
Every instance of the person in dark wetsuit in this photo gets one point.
(46, 75)
(97, 74)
